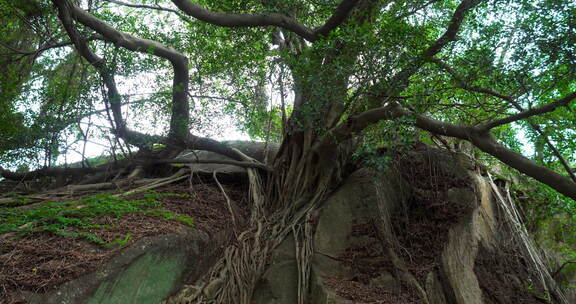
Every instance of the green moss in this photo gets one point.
(148, 280)
(16, 200)
(120, 241)
(77, 218)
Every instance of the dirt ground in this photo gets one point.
(39, 262)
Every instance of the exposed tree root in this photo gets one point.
(228, 203)
(513, 219)
(245, 164)
(388, 239)
(137, 172)
(406, 275)
(233, 278)
(179, 175)
(304, 240)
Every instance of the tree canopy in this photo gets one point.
(310, 74)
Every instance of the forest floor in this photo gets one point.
(40, 250)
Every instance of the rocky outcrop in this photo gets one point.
(421, 232)
(426, 230)
(146, 272)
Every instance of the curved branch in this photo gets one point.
(340, 15)
(179, 135)
(82, 47)
(477, 136)
(193, 142)
(244, 20)
(180, 117)
(549, 107)
(509, 99)
(273, 19)
(99, 64)
(357, 123)
(400, 81)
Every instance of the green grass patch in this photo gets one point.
(77, 218)
(15, 201)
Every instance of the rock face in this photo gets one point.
(147, 272)
(426, 230)
(421, 232)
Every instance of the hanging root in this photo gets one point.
(303, 236)
(285, 206)
(513, 219)
(233, 278)
(228, 203)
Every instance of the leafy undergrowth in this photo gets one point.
(48, 243)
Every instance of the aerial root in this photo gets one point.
(234, 277)
(228, 203)
(521, 235)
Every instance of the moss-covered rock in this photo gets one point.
(146, 272)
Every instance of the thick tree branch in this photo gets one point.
(193, 142)
(517, 161)
(549, 107)
(244, 20)
(514, 103)
(272, 19)
(180, 116)
(357, 123)
(340, 15)
(477, 136)
(243, 164)
(400, 81)
(549, 143)
(32, 175)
